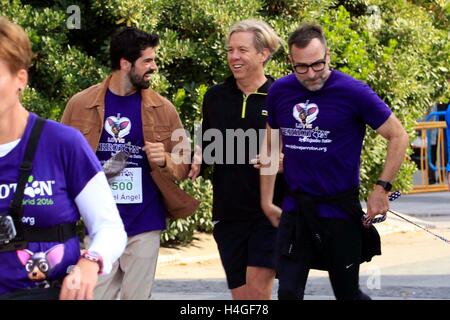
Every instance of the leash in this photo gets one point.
(382, 218)
(423, 228)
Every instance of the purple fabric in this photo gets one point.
(63, 165)
(123, 113)
(323, 132)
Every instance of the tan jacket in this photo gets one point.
(86, 111)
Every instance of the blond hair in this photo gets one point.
(265, 36)
(15, 47)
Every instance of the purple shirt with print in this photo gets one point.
(64, 163)
(123, 131)
(322, 133)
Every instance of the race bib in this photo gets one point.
(127, 186)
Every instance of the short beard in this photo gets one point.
(323, 78)
(316, 87)
(138, 82)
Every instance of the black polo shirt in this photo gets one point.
(235, 181)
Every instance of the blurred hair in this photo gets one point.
(15, 46)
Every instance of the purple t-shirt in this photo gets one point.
(138, 198)
(323, 132)
(64, 163)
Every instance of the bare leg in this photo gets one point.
(259, 283)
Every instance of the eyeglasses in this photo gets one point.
(319, 65)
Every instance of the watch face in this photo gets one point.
(92, 256)
(385, 184)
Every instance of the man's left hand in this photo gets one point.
(378, 202)
(155, 153)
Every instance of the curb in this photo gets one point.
(422, 223)
(392, 224)
(171, 259)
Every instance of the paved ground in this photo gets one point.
(425, 205)
(414, 264)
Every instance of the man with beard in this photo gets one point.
(122, 114)
(322, 225)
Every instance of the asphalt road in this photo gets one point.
(414, 265)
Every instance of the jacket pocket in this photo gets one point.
(85, 131)
(90, 131)
(162, 133)
(82, 126)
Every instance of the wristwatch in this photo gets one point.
(94, 257)
(387, 186)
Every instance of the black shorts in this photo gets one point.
(242, 244)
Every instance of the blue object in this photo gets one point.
(430, 117)
(447, 120)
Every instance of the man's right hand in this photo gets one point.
(258, 165)
(273, 213)
(196, 163)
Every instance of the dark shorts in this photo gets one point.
(242, 244)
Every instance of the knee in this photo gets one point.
(255, 292)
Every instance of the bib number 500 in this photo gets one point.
(121, 185)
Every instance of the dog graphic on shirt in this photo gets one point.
(118, 127)
(305, 113)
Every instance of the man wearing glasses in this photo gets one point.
(321, 114)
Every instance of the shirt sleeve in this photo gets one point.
(102, 220)
(373, 110)
(271, 107)
(81, 163)
(87, 185)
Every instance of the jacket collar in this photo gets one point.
(149, 97)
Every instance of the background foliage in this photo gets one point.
(400, 48)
